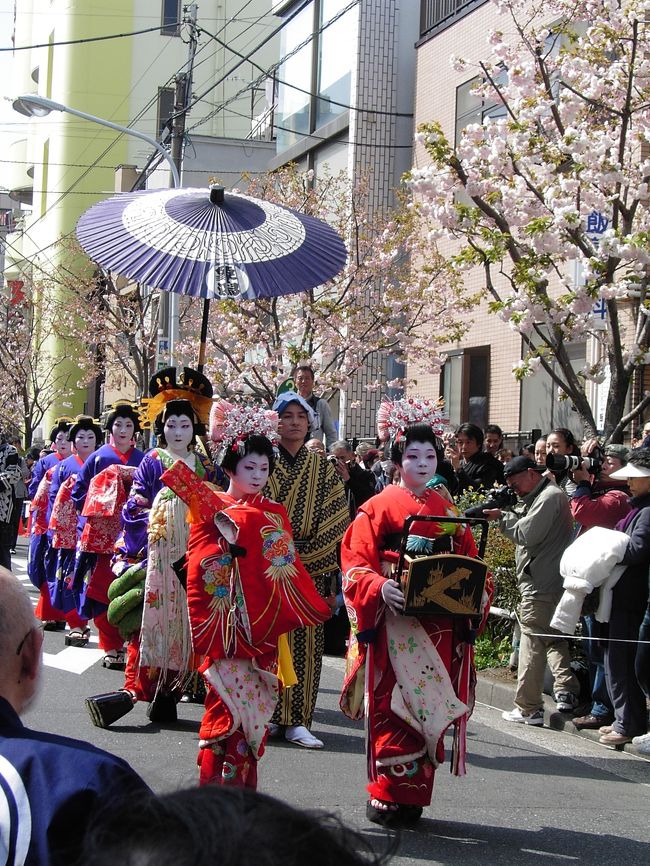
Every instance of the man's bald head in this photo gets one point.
(18, 670)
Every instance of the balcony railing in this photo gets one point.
(436, 14)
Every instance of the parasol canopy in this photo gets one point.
(210, 244)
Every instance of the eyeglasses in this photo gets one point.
(38, 627)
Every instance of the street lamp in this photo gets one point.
(40, 106)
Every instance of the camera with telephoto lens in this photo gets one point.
(570, 462)
(502, 497)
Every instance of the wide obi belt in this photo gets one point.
(242, 597)
(107, 493)
(40, 504)
(63, 520)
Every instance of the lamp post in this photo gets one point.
(41, 106)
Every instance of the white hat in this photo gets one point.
(631, 471)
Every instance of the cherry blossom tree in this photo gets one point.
(379, 303)
(555, 186)
(34, 375)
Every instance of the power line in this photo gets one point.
(274, 66)
(160, 28)
(329, 138)
(302, 89)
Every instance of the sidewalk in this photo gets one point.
(497, 689)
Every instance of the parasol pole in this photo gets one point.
(204, 335)
(217, 197)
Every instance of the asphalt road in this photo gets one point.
(530, 796)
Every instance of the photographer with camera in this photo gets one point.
(598, 500)
(359, 483)
(541, 533)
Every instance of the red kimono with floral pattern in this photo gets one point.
(244, 592)
(413, 676)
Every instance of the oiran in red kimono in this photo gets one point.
(412, 676)
(246, 588)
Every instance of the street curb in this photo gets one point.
(500, 695)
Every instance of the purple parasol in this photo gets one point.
(210, 245)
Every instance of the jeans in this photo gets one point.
(601, 702)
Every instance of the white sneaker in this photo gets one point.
(299, 735)
(516, 715)
(642, 743)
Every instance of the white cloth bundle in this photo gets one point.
(589, 562)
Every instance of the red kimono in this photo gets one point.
(244, 592)
(413, 676)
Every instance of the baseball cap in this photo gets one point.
(619, 451)
(520, 464)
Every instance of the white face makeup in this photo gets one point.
(62, 445)
(122, 433)
(419, 464)
(85, 443)
(250, 476)
(178, 431)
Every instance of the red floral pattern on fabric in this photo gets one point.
(107, 494)
(63, 520)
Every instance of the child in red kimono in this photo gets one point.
(413, 675)
(246, 588)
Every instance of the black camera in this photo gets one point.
(331, 458)
(502, 497)
(561, 462)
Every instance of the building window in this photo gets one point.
(466, 386)
(471, 108)
(321, 69)
(337, 56)
(539, 405)
(166, 97)
(171, 18)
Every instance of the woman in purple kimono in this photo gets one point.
(148, 603)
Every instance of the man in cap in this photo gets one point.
(50, 785)
(598, 500)
(314, 497)
(541, 533)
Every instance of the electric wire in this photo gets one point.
(160, 27)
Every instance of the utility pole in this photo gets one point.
(182, 101)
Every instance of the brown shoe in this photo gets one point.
(590, 722)
(606, 729)
(614, 739)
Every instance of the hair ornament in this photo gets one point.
(171, 384)
(394, 416)
(232, 423)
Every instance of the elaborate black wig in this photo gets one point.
(415, 433)
(253, 444)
